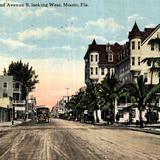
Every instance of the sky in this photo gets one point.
(54, 40)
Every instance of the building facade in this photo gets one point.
(100, 60)
(10, 98)
(6, 95)
(123, 60)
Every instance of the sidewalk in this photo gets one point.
(9, 124)
(153, 128)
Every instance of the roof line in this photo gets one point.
(156, 28)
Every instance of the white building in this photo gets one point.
(140, 48)
(124, 60)
(100, 60)
(10, 98)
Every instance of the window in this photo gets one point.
(96, 70)
(133, 61)
(4, 85)
(110, 57)
(139, 44)
(5, 94)
(91, 70)
(96, 58)
(133, 44)
(107, 47)
(139, 61)
(102, 71)
(91, 58)
(152, 47)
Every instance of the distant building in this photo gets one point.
(60, 108)
(31, 105)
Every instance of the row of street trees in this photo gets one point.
(105, 95)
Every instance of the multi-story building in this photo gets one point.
(141, 48)
(100, 59)
(6, 95)
(123, 60)
(31, 104)
(10, 98)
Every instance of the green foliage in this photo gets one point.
(110, 90)
(152, 93)
(142, 93)
(25, 74)
(152, 117)
(104, 95)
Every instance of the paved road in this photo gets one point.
(65, 140)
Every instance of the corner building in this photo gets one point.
(123, 60)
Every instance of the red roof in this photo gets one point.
(146, 33)
(117, 49)
(103, 53)
(135, 32)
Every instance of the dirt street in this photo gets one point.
(66, 140)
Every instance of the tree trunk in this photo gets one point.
(153, 66)
(115, 109)
(140, 117)
(151, 78)
(97, 119)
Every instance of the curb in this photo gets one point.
(125, 128)
(10, 125)
(146, 131)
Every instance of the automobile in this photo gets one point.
(42, 114)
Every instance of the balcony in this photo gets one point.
(19, 102)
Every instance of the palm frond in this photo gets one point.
(151, 94)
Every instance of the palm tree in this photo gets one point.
(76, 104)
(93, 98)
(111, 89)
(142, 94)
(154, 62)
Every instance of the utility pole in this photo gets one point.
(67, 95)
(27, 107)
(12, 110)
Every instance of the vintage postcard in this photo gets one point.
(79, 80)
